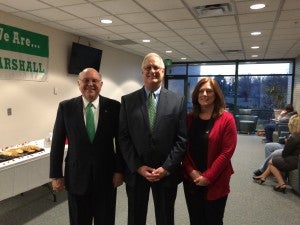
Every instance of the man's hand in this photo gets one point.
(58, 184)
(147, 172)
(160, 173)
(117, 179)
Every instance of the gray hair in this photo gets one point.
(153, 55)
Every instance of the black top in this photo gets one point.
(198, 135)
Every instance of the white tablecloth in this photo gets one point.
(24, 173)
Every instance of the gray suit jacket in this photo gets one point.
(165, 146)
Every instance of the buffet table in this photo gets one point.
(25, 173)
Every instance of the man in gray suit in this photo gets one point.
(153, 154)
(93, 164)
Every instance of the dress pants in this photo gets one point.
(138, 197)
(203, 211)
(96, 206)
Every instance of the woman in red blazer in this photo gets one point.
(207, 164)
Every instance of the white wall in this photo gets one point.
(34, 104)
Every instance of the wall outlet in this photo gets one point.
(9, 111)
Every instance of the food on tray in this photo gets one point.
(17, 152)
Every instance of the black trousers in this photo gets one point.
(138, 197)
(202, 211)
(96, 206)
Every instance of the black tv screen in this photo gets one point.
(82, 57)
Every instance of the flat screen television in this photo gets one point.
(83, 56)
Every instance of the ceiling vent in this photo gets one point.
(213, 10)
(123, 42)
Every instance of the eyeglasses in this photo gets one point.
(207, 91)
(87, 81)
(149, 68)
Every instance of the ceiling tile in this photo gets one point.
(52, 14)
(173, 15)
(218, 21)
(291, 4)
(151, 27)
(158, 34)
(120, 6)
(62, 3)
(256, 26)
(29, 16)
(183, 24)
(190, 31)
(122, 29)
(154, 5)
(96, 31)
(257, 17)
(290, 15)
(77, 24)
(222, 29)
(136, 36)
(172, 24)
(244, 7)
(25, 5)
(288, 24)
(8, 9)
(136, 18)
(84, 10)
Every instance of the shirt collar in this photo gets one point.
(156, 92)
(95, 102)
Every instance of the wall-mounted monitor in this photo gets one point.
(82, 57)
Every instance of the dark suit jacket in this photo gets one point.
(86, 163)
(165, 146)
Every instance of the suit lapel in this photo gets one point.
(160, 105)
(79, 112)
(142, 101)
(101, 117)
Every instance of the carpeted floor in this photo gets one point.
(249, 203)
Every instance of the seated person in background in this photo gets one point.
(289, 158)
(271, 149)
(284, 117)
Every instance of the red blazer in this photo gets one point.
(222, 141)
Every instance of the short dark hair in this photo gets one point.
(289, 108)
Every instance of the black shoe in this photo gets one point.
(259, 180)
(280, 188)
(257, 172)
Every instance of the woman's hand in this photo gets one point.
(201, 181)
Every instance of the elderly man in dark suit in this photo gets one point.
(153, 146)
(93, 164)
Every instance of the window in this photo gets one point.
(260, 85)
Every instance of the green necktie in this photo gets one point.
(90, 123)
(151, 109)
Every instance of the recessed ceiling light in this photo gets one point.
(183, 58)
(168, 51)
(146, 40)
(106, 21)
(255, 47)
(254, 56)
(255, 33)
(257, 6)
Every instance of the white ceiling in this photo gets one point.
(173, 25)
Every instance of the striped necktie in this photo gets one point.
(151, 109)
(90, 123)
